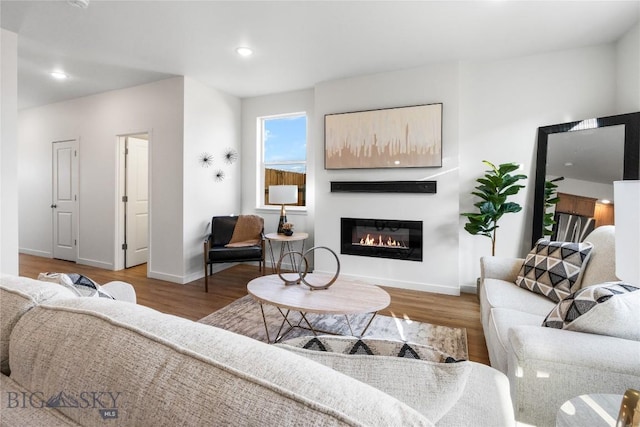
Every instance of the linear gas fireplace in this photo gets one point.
(382, 238)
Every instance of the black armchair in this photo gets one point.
(234, 239)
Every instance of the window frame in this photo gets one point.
(261, 165)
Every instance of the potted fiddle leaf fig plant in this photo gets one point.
(494, 188)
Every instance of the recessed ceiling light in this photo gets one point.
(568, 164)
(244, 51)
(605, 201)
(81, 4)
(58, 75)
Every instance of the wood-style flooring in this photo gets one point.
(191, 302)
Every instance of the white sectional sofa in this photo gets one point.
(69, 360)
(548, 366)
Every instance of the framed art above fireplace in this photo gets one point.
(402, 137)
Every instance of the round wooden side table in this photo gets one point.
(285, 245)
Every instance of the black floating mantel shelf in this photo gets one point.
(383, 186)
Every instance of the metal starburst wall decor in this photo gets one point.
(230, 156)
(219, 175)
(205, 159)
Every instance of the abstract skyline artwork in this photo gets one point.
(402, 137)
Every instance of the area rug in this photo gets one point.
(243, 317)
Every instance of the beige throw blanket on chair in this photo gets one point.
(247, 231)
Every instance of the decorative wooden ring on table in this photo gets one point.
(330, 282)
(303, 274)
(300, 275)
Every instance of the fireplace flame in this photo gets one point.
(381, 241)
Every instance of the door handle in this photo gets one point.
(53, 206)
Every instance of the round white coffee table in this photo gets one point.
(344, 297)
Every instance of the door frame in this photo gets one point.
(119, 206)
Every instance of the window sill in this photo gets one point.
(291, 210)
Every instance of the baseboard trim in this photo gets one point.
(166, 277)
(468, 289)
(97, 264)
(34, 252)
(423, 287)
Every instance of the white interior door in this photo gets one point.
(65, 200)
(137, 205)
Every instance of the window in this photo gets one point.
(283, 140)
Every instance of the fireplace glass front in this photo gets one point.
(382, 238)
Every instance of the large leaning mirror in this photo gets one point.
(582, 159)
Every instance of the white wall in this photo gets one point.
(492, 110)
(578, 187)
(211, 125)
(628, 68)
(96, 120)
(439, 212)
(8, 153)
(252, 108)
(502, 105)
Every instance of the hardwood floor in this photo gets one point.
(191, 302)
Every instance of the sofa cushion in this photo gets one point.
(221, 254)
(172, 371)
(17, 296)
(554, 269)
(611, 308)
(497, 293)
(602, 260)
(22, 407)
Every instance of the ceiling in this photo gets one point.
(117, 44)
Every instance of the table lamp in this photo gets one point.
(627, 223)
(283, 195)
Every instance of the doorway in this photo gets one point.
(64, 204)
(133, 200)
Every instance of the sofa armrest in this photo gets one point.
(555, 365)
(500, 268)
(121, 291)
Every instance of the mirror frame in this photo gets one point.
(631, 167)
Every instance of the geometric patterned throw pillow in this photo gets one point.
(611, 308)
(81, 285)
(370, 347)
(554, 269)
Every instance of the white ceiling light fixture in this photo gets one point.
(80, 4)
(59, 75)
(244, 51)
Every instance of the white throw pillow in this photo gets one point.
(611, 308)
